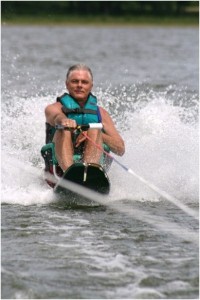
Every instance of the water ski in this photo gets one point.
(91, 176)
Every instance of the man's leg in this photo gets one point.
(92, 154)
(64, 148)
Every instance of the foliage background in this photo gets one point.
(128, 11)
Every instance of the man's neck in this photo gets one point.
(81, 102)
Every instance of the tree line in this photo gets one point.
(95, 8)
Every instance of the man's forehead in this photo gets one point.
(80, 73)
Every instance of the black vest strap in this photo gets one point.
(78, 111)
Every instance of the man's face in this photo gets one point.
(79, 84)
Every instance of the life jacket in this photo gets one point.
(89, 113)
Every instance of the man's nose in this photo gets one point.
(79, 82)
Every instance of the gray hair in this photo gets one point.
(79, 67)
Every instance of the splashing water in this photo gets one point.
(161, 135)
(160, 129)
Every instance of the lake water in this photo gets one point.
(140, 244)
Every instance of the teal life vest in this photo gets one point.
(89, 113)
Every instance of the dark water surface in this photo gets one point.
(139, 245)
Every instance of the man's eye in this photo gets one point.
(82, 81)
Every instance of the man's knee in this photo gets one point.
(94, 134)
(62, 135)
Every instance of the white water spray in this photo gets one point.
(149, 184)
(161, 146)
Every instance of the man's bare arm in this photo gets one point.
(111, 137)
(54, 115)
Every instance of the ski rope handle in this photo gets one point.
(80, 127)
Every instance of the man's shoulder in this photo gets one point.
(59, 98)
(54, 105)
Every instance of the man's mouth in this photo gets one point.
(78, 91)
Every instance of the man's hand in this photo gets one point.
(80, 139)
(66, 122)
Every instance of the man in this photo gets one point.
(79, 83)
